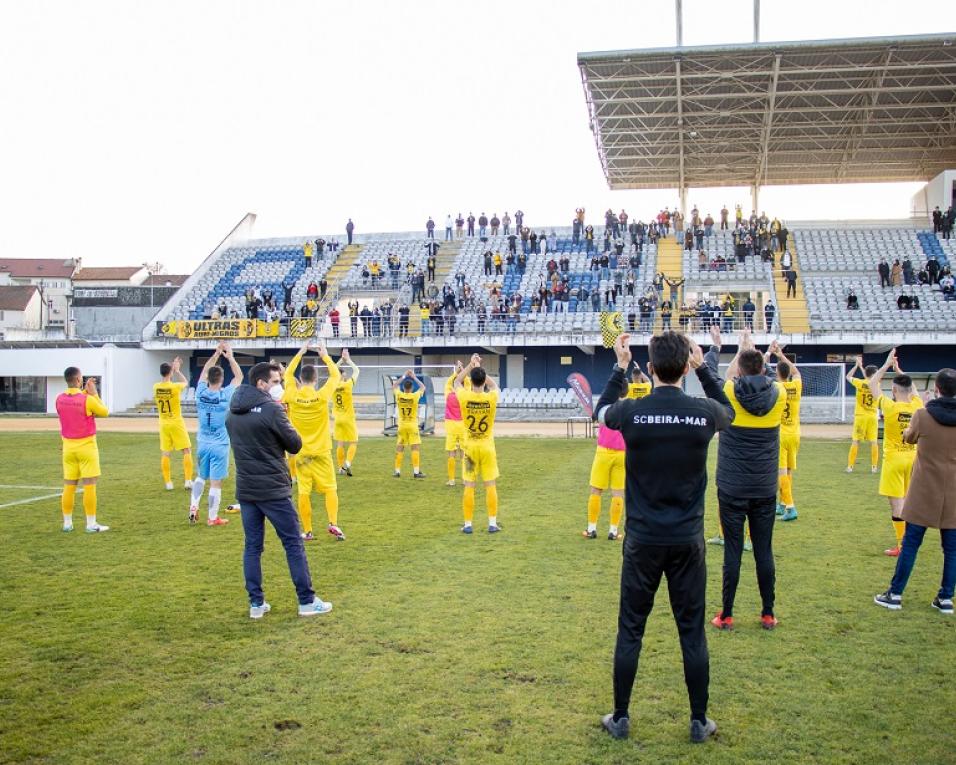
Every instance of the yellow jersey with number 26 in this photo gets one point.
(478, 413)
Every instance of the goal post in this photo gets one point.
(824, 393)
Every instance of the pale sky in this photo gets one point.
(135, 131)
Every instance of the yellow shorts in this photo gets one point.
(895, 475)
(173, 436)
(607, 470)
(81, 462)
(315, 473)
(454, 435)
(481, 461)
(865, 428)
(345, 429)
(409, 436)
(789, 446)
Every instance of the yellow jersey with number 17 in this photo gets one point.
(638, 390)
(865, 405)
(478, 411)
(168, 402)
(406, 408)
(790, 420)
(896, 419)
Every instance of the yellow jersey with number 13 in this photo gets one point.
(865, 405)
(478, 411)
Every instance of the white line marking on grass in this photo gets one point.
(24, 486)
(31, 499)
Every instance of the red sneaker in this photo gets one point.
(768, 622)
(893, 552)
(722, 623)
(217, 522)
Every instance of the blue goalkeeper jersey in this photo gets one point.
(212, 406)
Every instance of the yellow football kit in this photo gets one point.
(898, 456)
(790, 424)
(638, 390)
(478, 411)
(865, 420)
(406, 412)
(172, 428)
(344, 410)
(607, 470)
(81, 456)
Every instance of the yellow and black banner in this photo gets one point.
(302, 328)
(220, 329)
(612, 327)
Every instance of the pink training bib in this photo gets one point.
(74, 421)
(452, 407)
(610, 439)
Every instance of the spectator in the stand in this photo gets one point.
(909, 277)
(365, 316)
(937, 220)
(482, 316)
(769, 311)
(689, 239)
(852, 301)
(488, 263)
(403, 312)
(506, 224)
(334, 321)
(699, 236)
(644, 308)
(424, 311)
(701, 260)
(224, 310)
(749, 308)
(589, 238)
(459, 226)
(430, 228)
(595, 300)
(522, 263)
(896, 274)
(631, 319)
(311, 291)
(932, 268)
(287, 288)
(512, 243)
(471, 224)
(430, 267)
(418, 286)
(307, 252)
(630, 283)
(948, 285)
(483, 226)
(674, 286)
(448, 224)
(524, 233)
(575, 232)
(791, 276)
(533, 242)
(915, 303)
(450, 316)
(519, 219)
(724, 217)
(349, 229)
(922, 278)
(353, 307)
(365, 275)
(498, 263)
(320, 248)
(727, 309)
(288, 309)
(386, 312)
(786, 261)
(564, 264)
(946, 224)
(543, 242)
(495, 222)
(884, 270)
(666, 312)
(904, 302)
(253, 304)
(309, 310)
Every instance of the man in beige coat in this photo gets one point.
(931, 500)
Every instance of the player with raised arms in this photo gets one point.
(406, 413)
(898, 456)
(789, 377)
(345, 430)
(78, 407)
(212, 406)
(865, 417)
(608, 471)
(640, 384)
(478, 408)
(454, 430)
(172, 427)
(309, 414)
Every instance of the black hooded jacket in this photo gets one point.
(261, 435)
(749, 450)
(943, 410)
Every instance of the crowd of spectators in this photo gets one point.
(902, 273)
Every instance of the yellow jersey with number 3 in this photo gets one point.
(896, 419)
(865, 405)
(790, 420)
(168, 400)
(478, 411)
(406, 408)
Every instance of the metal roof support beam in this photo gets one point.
(856, 135)
(681, 186)
(761, 175)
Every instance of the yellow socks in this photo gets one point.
(188, 466)
(416, 460)
(468, 504)
(851, 458)
(332, 507)
(89, 502)
(451, 468)
(67, 501)
(900, 528)
(305, 512)
(291, 462)
(491, 503)
(874, 455)
(786, 490)
(350, 454)
(399, 456)
(617, 510)
(340, 456)
(164, 466)
(594, 510)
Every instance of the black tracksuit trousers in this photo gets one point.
(760, 514)
(686, 572)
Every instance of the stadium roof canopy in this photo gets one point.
(869, 109)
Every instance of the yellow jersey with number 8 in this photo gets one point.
(478, 413)
(342, 400)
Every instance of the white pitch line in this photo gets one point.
(23, 486)
(31, 499)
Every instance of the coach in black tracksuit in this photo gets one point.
(667, 435)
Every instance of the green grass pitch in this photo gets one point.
(135, 646)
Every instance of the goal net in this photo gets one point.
(824, 393)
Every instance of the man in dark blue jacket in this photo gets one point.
(667, 435)
(261, 435)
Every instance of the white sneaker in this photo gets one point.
(68, 529)
(188, 485)
(96, 528)
(849, 469)
(316, 607)
(450, 483)
(874, 468)
(169, 486)
(257, 612)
